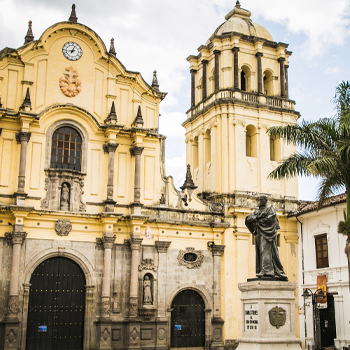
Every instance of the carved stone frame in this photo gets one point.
(56, 177)
(190, 264)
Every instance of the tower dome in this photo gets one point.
(238, 21)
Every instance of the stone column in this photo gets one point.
(193, 87)
(282, 76)
(204, 79)
(235, 67)
(217, 321)
(135, 244)
(162, 248)
(217, 69)
(286, 77)
(260, 79)
(110, 148)
(224, 152)
(201, 164)
(108, 243)
(23, 138)
(217, 251)
(213, 183)
(137, 151)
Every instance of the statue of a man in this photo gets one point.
(147, 294)
(263, 224)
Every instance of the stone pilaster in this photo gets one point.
(204, 79)
(110, 148)
(137, 151)
(235, 67)
(12, 324)
(282, 76)
(23, 138)
(162, 248)
(260, 79)
(135, 244)
(108, 243)
(193, 87)
(217, 251)
(217, 69)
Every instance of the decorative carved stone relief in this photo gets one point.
(63, 227)
(190, 258)
(13, 305)
(55, 180)
(70, 84)
(277, 317)
(216, 207)
(134, 334)
(147, 264)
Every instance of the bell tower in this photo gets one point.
(239, 88)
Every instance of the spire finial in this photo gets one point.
(27, 102)
(139, 120)
(73, 16)
(155, 84)
(29, 37)
(112, 116)
(188, 184)
(238, 4)
(112, 48)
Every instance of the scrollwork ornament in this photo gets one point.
(147, 264)
(15, 237)
(63, 227)
(277, 317)
(13, 306)
(70, 84)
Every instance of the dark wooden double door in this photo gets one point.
(188, 320)
(327, 323)
(56, 306)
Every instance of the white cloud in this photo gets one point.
(176, 167)
(170, 125)
(332, 70)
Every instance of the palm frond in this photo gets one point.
(329, 186)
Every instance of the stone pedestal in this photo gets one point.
(268, 315)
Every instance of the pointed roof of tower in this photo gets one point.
(112, 116)
(112, 48)
(73, 16)
(29, 37)
(155, 84)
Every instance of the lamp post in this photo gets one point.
(315, 314)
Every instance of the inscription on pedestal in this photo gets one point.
(251, 317)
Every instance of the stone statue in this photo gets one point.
(263, 224)
(65, 197)
(147, 295)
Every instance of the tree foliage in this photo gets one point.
(324, 149)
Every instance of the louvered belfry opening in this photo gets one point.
(56, 306)
(187, 320)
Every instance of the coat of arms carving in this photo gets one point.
(70, 84)
(63, 227)
(277, 317)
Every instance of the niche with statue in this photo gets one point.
(147, 307)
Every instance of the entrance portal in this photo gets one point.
(327, 322)
(187, 320)
(56, 306)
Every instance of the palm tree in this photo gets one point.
(324, 153)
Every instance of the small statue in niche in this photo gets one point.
(65, 195)
(147, 294)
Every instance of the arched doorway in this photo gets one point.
(56, 306)
(187, 320)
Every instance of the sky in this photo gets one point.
(159, 35)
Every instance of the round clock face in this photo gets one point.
(72, 51)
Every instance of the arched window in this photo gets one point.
(251, 141)
(243, 81)
(66, 149)
(268, 83)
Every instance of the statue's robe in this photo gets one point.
(263, 224)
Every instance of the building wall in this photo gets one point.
(325, 221)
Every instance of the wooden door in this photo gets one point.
(188, 320)
(56, 306)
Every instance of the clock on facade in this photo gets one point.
(72, 51)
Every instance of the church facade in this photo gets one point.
(98, 248)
